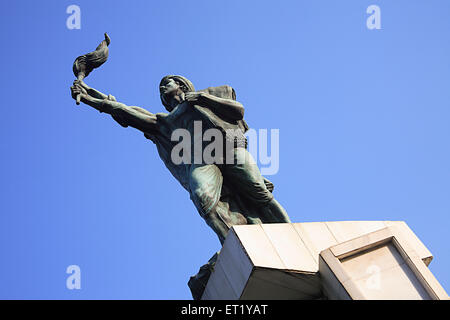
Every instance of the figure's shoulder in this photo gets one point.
(224, 91)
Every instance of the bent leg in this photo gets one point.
(244, 174)
(275, 213)
(205, 183)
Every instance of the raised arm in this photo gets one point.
(226, 108)
(135, 117)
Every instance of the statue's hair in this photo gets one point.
(184, 83)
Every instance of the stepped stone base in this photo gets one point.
(323, 260)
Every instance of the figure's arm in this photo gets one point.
(94, 93)
(135, 117)
(227, 108)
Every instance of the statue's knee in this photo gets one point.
(204, 199)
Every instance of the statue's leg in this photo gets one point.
(244, 174)
(219, 227)
(275, 212)
(205, 183)
(197, 283)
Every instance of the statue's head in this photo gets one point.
(172, 89)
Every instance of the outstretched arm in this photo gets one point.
(226, 108)
(135, 117)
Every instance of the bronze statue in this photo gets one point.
(225, 193)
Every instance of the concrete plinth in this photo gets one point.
(323, 260)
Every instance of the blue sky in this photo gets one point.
(363, 118)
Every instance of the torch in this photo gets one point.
(83, 65)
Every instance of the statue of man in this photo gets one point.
(224, 193)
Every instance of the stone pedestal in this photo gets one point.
(323, 260)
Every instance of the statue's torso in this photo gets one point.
(184, 116)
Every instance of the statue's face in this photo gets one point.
(173, 94)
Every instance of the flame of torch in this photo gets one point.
(83, 65)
